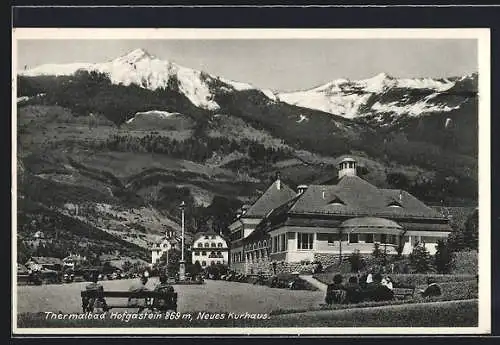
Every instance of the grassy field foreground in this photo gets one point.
(435, 314)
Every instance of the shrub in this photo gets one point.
(409, 279)
(443, 257)
(356, 261)
(465, 262)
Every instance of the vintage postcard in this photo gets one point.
(222, 181)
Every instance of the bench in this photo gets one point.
(401, 292)
(90, 296)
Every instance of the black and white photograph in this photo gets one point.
(183, 181)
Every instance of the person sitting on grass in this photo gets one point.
(162, 304)
(353, 290)
(95, 302)
(432, 289)
(378, 292)
(139, 286)
(387, 281)
(336, 293)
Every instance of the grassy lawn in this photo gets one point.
(437, 314)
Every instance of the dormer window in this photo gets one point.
(395, 204)
(336, 202)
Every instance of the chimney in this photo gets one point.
(347, 167)
(302, 188)
(278, 180)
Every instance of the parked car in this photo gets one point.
(68, 277)
(50, 276)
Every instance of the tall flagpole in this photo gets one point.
(182, 239)
(182, 265)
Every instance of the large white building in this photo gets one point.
(209, 248)
(325, 222)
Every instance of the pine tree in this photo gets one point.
(443, 257)
(420, 259)
(355, 261)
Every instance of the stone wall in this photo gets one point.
(328, 259)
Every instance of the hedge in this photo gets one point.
(405, 279)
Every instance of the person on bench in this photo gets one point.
(99, 302)
(378, 292)
(162, 304)
(353, 290)
(432, 290)
(139, 286)
(336, 293)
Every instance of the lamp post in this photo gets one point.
(182, 266)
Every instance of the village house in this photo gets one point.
(165, 244)
(209, 248)
(73, 260)
(324, 222)
(38, 263)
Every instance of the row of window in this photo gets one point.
(204, 263)
(257, 245)
(212, 254)
(279, 243)
(238, 257)
(366, 238)
(210, 245)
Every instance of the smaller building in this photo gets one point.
(38, 263)
(210, 248)
(168, 242)
(73, 260)
(38, 235)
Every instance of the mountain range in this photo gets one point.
(128, 139)
(371, 98)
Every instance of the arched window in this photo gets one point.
(254, 245)
(207, 245)
(203, 263)
(200, 245)
(259, 245)
(219, 245)
(265, 244)
(213, 245)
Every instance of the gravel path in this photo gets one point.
(214, 296)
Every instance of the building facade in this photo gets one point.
(326, 222)
(167, 243)
(209, 248)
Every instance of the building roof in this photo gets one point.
(46, 260)
(272, 198)
(353, 196)
(370, 222)
(209, 233)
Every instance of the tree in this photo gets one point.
(398, 180)
(194, 269)
(127, 265)
(356, 261)
(377, 253)
(443, 257)
(471, 231)
(420, 259)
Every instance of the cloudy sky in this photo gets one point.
(285, 64)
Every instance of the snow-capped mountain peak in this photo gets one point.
(381, 95)
(134, 56)
(140, 68)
